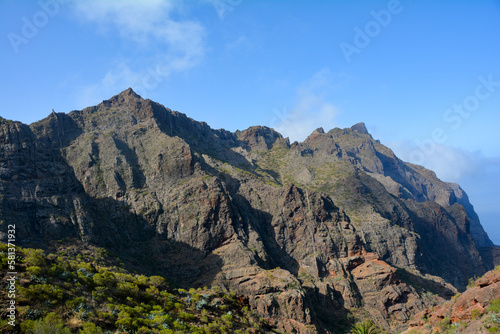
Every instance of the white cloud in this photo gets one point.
(223, 7)
(119, 77)
(134, 18)
(476, 174)
(310, 112)
(169, 44)
(450, 164)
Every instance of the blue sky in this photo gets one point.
(423, 75)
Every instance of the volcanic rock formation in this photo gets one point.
(311, 232)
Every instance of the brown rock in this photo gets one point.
(470, 307)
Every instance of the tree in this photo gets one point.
(367, 327)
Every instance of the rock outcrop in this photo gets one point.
(314, 233)
(476, 310)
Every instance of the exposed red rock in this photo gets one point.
(467, 312)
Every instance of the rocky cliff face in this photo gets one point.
(477, 310)
(313, 232)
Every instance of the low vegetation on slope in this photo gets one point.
(476, 310)
(86, 292)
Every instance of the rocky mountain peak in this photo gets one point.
(4, 121)
(127, 97)
(319, 130)
(360, 128)
(261, 137)
(129, 92)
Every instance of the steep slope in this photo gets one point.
(84, 287)
(313, 232)
(368, 181)
(477, 310)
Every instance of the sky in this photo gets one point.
(424, 76)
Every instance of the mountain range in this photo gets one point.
(313, 233)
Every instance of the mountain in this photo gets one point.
(315, 234)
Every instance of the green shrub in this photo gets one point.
(143, 330)
(132, 303)
(178, 325)
(228, 320)
(41, 292)
(55, 270)
(90, 328)
(186, 316)
(128, 289)
(152, 292)
(50, 324)
(76, 304)
(34, 257)
(494, 306)
(472, 282)
(157, 281)
(476, 313)
(34, 270)
(230, 297)
(445, 324)
(104, 278)
(367, 327)
(125, 323)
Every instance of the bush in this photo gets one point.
(367, 327)
(201, 304)
(55, 270)
(494, 306)
(34, 314)
(472, 282)
(476, 313)
(85, 272)
(228, 320)
(41, 292)
(104, 278)
(125, 323)
(128, 289)
(34, 271)
(230, 297)
(76, 304)
(50, 324)
(186, 316)
(445, 324)
(64, 275)
(152, 292)
(90, 328)
(34, 257)
(141, 280)
(130, 302)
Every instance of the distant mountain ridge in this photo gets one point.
(312, 232)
